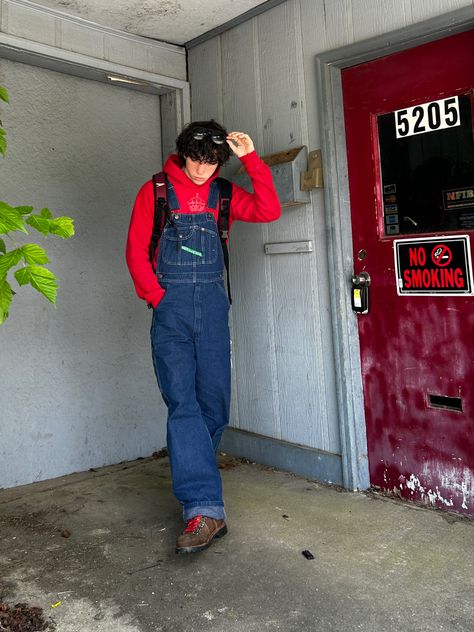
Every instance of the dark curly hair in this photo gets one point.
(204, 150)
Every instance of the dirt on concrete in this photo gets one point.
(22, 618)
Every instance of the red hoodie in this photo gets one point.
(262, 206)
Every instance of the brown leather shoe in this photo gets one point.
(199, 533)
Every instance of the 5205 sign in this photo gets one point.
(427, 117)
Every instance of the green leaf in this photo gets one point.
(6, 296)
(23, 276)
(4, 94)
(39, 223)
(62, 226)
(9, 260)
(10, 219)
(32, 253)
(3, 248)
(24, 210)
(41, 279)
(44, 281)
(2, 131)
(3, 146)
(45, 212)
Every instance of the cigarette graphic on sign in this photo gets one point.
(441, 255)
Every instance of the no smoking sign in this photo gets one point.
(434, 266)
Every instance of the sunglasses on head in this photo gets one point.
(216, 137)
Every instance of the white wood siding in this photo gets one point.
(260, 77)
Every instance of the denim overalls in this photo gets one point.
(191, 354)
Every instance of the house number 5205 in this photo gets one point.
(427, 117)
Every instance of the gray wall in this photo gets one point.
(260, 77)
(77, 388)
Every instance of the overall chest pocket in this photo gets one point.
(192, 245)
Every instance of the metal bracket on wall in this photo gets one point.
(288, 247)
(313, 178)
(286, 167)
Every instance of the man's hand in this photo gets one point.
(240, 143)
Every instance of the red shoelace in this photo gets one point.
(193, 524)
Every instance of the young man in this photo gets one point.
(189, 331)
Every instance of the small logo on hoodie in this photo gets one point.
(196, 204)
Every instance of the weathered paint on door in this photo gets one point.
(416, 351)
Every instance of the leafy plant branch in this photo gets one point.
(30, 257)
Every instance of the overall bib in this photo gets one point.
(191, 355)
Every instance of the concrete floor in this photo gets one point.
(380, 565)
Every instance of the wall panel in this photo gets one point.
(423, 9)
(205, 77)
(79, 391)
(72, 36)
(252, 333)
(281, 98)
(241, 80)
(21, 21)
(267, 85)
(372, 18)
(255, 395)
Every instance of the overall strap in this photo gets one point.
(225, 197)
(161, 214)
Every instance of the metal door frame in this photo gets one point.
(338, 221)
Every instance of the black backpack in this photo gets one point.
(162, 214)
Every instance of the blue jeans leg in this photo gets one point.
(195, 475)
(213, 377)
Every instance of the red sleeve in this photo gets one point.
(261, 206)
(138, 242)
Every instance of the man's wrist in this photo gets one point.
(251, 155)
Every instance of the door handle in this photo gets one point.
(363, 278)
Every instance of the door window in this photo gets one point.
(427, 167)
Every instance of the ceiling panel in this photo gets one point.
(176, 21)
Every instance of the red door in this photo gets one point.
(409, 127)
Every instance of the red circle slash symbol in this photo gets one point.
(441, 255)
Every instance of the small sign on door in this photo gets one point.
(427, 117)
(439, 266)
(458, 198)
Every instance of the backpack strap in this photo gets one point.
(225, 198)
(161, 214)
